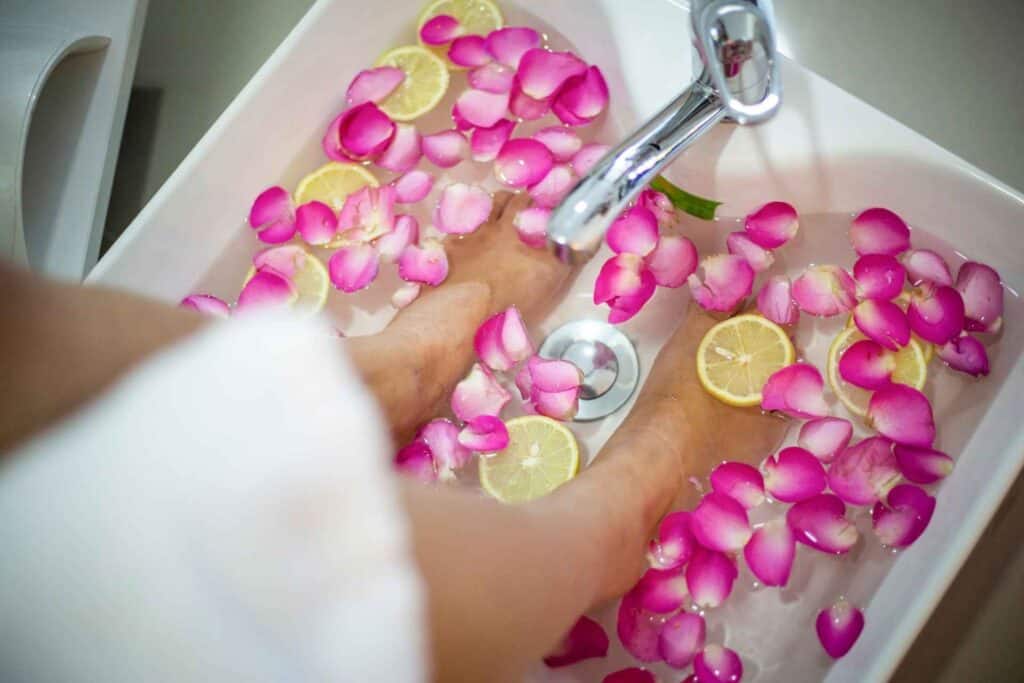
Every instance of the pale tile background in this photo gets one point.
(949, 69)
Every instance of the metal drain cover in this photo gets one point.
(611, 369)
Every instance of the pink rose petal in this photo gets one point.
(469, 51)
(672, 261)
(484, 434)
(316, 223)
(717, 664)
(825, 437)
(879, 276)
(353, 267)
(661, 206)
(582, 98)
(553, 375)
(867, 365)
(903, 414)
(675, 543)
(481, 108)
(492, 77)
(373, 85)
(413, 186)
(485, 143)
(635, 231)
(797, 390)
(936, 314)
(720, 523)
(405, 232)
(709, 577)
(272, 217)
(965, 354)
(625, 285)
(563, 143)
(532, 226)
(638, 629)
(742, 245)
(864, 472)
(502, 341)
(793, 475)
(772, 225)
(462, 209)
(838, 628)
(923, 465)
(478, 394)
(554, 186)
(585, 640)
(905, 517)
(264, 289)
(442, 436)
(728, 279)
(775, 301)
(630, 675)
(541, 73)
(879, 231)
(404, 151)
(461, 124)
(445, 149)
(661, 590)
(207, 304)
(558, 405)
(371, 210)
(820, 523)
(440, 30)
(982, 292)
(924, 265)
(587, 157)
(286, 260)
(405, 294)
(524, 106)
(682, 637)
(883, 322)
(363, 132)
(825, 290)
(739, 481)
(522, 162)
(417, 461)
(508, 45)
(426, 263)
(770, 552)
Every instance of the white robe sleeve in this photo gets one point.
(226, 512)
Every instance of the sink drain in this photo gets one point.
(607, 359)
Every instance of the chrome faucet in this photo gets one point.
(739, 80)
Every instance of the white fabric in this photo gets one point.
(227, 512)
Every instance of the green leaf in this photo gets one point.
(684, 201)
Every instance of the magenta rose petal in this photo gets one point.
(532, 226)
(879, 276)
(492, 77)
(563, 143)
(523, 162)
(867, 365)
(445, 149)
(413, 186)
(626, 306)
(353, 267)
(717, 664)
(405, 232)
(369, 211)
(554, 186)
(820, 523)
(673, 260)
(838, 628)
(478, 394)
(630, 675)
(709, 577)
(825, 437)
(508, 45)
(469, 51)
(936, 314)
(740, 244)
(462, 209)
(264, 289)
(661, 590)
(772, 225)
(924, 265)
(440, 30)
(582, 98)
(905, 517)
(588, 155)
(965, 354)
(553, 375)
(825, 290)
(426, 263)
(620, 276)
(682, 637)
(982, 292)
(879, 231)
(728, 279)
(541, 73)
(638, 629)
(739, 481)
(903, 414)
(502, 341)
(923, 465)
(442, 436)
(524, 106)
(271, 216)
(770, 552)
(865, 472)
(417, 461)
(883, 322)
(484, 434)
(404, 151)
(485, 143)
(635, 231)
(675, 543)
(364, 131)
(481, 108)
(797, 390)
(207, 304)
(558, 405)
(285, 260)
(373, 85)
(720, 523)
(793, 475)
(775, 301)
(316, 223)
(585, 640)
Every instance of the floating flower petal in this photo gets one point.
(775, 301)
(825, 290)
(675, 543)
(502, 341)
(982, 293)
(492, 77)
(772, 225)
(740, 244)
(625, 285)
(406, 232)
(709, 577)
(867, 365)
(883, 322)
(879, 276)
(924, 265)
(638, 629)
(478, 394)
(903, 414)
(207, 304)
(770, 552)
(462, 209)
(635, 231)
(582, 98)
(523, 162)
(585, 640)
(923, 465)
(426, 263)
(563, 143)
(864, 473)
(484, 434)
(825, 437)
(417, 461)
(905, 518)
(371, 210)
(672, 261)
(363, 132)
(589, 155)
(524, 106)
(793, 475)
(558, 405)
(541, 73)
(965, 354)
(532, 226)
(413, 186)
(630, 675)
(373, 85)
(485, 143)
(442, 436)
(404, 151)
(717, 664)
(838, 628)
(469, 51)
(661, 590)
(728, 279)
(682, 637)
(508, 45)
(879, 231)
(445, 149)
(797, 390)
(481, 108)
(936, 314)
(353, 267)
(820, 522)
(271, 216)
(739, 481)
(440, 30)
(316, 223)
(720, 523)
(554, 186)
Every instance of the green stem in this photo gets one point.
(684, 201)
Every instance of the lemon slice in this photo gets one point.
(927, 348)
(308, 276)
(541, 456)
(911, 369)
(332, 183)
(478, 17)
(426, 82)
(737, 356)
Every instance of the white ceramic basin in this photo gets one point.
(826, 153)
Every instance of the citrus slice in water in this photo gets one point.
(305, 271)
(478, 17)
(425, 83)
(911, 369)
(541, 455)
(737, 356)
(332, 183)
